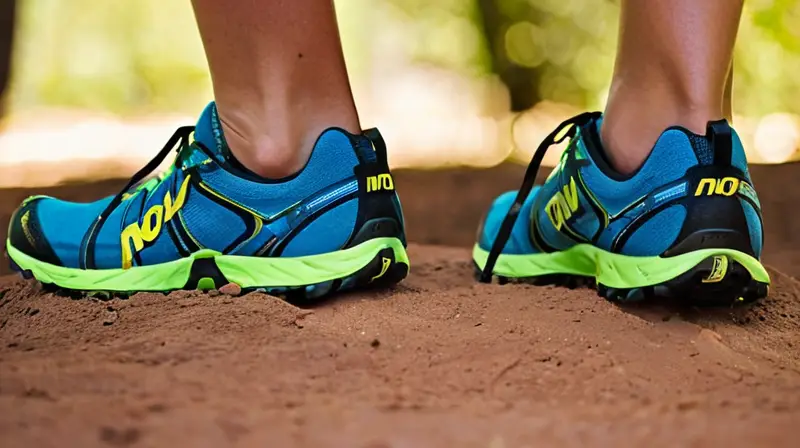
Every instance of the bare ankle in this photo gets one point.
(634, 121)
(276, 140)
(269, 150)
(268, 158)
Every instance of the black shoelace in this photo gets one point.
(180, 138)
(553, 138)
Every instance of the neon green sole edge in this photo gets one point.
(610, 269)
(245, 271)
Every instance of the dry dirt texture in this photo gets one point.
(437, 361)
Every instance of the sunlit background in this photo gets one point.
(103, 84)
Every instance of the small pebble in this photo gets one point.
(231, 289)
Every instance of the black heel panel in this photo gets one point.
(715, 215)
(379, 211)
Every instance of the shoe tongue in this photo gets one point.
(208, 132)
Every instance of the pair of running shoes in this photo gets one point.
(687, 224)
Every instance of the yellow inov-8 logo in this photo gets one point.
(152, 222)
(726, 186)
(380, 182)
(563, 204)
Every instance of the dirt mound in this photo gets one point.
(437, 361)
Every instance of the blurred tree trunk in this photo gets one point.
(522, 82)
(7, 22)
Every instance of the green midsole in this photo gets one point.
(610, 269)
(242, 270)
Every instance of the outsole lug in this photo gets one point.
(382, 271)
(24, 273)
(698, 286)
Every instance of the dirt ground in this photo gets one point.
(438, 361)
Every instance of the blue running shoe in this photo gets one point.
(686, 225)
(208, 221)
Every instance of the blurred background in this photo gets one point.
(449, 82)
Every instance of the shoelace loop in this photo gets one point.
(554, 138)
(180, 138)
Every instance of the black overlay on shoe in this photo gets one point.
(379, 212)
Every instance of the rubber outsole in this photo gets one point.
(388, 266)
(697, 286)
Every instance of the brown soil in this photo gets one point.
(437, 361)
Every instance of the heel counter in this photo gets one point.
(714, 222)
(379, 211)
(722, 208)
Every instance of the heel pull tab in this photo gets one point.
(719, 134)
(378, 143)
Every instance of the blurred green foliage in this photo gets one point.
(124, 56)
(137, 56)
(767, 58)
(568, 47)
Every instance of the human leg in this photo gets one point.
(673, 53)
(279, 78)
(654, 198)
(279, 190)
